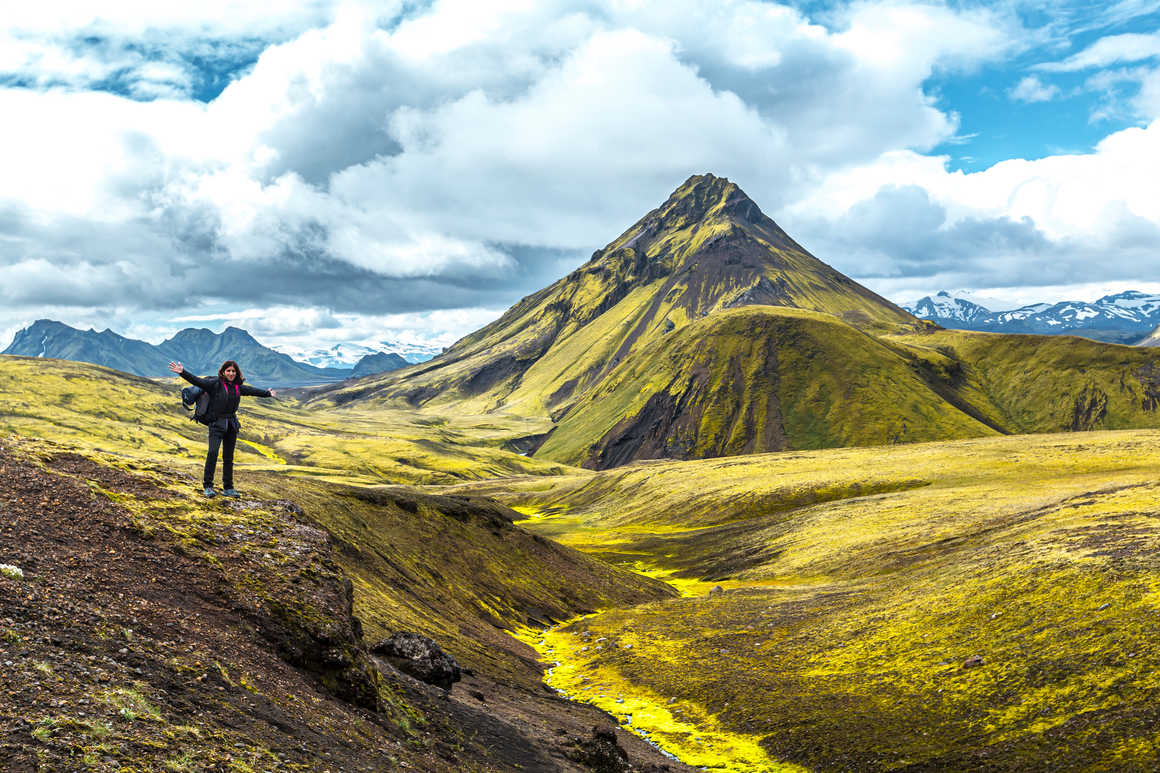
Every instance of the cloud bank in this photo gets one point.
(397, 159)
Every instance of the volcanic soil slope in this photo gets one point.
(144, 630)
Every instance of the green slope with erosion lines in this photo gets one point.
(755, 379)
(1030, 383)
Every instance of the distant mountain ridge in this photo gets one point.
(201, 351)
(1124, 318)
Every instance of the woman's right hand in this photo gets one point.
(176, 367)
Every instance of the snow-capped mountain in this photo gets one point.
(945, 306)
(347, 355)
(1125, 317)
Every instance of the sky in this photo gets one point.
(331, 171)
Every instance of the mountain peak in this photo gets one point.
(706, 197)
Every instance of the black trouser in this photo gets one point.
(223, 433)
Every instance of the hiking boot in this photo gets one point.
(231, 493)
(209, 492)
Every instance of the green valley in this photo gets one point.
(715, 493)
(985, 603)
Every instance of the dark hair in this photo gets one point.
(230, 363)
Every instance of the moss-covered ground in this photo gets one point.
(271, 634)
(984, 604)
(91, 407)
(989, 603)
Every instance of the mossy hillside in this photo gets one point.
(1052, 383)
(453, 568)
(457, 570)
(842, 641)
(691, 502)
(711, 219)
(755, 379)
(152, 631)
(91, 407)
(682, 729)
(393, 544)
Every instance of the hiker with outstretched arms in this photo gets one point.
(225, 392)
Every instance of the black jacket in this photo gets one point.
(223, 397)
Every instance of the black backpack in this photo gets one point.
(196, 399)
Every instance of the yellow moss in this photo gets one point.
(683, 730)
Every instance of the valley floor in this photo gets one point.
(990, 604)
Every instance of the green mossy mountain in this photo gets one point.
(704, 330)
(749, 380)
(708, 248)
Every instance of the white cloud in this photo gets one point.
(134, 18)
(471, 151)
(1148, 98)
(301, 329)
(1031, 89)
(1017, 223)
(1107, 51)
(907, 39)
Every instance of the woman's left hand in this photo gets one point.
(273, 393)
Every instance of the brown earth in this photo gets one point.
(123, 649)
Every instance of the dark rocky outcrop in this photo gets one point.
(420, 657)
(1089, 409)
(600, 752)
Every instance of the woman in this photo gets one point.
(225, 392)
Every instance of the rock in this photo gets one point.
(715, 590)
(600, 752)
(419, 657)
(973, 660)
(1102, 607)
(288, 506)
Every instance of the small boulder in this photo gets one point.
(600, 752)
(973, 660)
(715, 590)
(419, 657)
